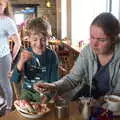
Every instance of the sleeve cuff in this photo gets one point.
(16, 76)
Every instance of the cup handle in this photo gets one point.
(106, 98)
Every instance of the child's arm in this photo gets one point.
(54, 67)
(25, 56)
(17, 74)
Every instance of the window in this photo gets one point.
(64, 18)
(115, 8)
(23, 12)
(83, 12)
(19, 18)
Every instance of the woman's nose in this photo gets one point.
(95, 42)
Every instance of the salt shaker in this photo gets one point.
(86, 108)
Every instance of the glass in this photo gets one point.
(61, 108)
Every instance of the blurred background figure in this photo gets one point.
(8, 30)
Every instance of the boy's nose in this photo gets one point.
(39, 42)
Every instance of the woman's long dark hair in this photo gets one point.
(109, 24)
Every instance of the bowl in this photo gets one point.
(28, 114)
(33, 116)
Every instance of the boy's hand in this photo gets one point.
(25, 56)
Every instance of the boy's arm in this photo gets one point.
(54, 68)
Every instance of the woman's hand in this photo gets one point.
(42, 87)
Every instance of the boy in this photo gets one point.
(37, 63)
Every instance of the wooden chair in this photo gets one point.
(67, 57)
(56, 48)
(11, 44)
(25, 42)
(17, 90)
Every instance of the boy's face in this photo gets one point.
(37, 41)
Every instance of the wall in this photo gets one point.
(42, 10)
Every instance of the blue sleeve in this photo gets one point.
(16, 75)
(54, 67)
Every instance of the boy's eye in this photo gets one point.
(42, 39)
(34, 39)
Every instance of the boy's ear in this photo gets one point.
(115, 40)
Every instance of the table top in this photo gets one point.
(73, 112)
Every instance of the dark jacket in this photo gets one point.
(40, 68)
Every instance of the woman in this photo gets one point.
(8, 30)
(96, 71)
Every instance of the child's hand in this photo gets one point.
(26, 55)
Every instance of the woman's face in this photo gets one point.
(2, 7)
(100, 43)
(37, 41)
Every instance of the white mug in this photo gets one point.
(113, 102)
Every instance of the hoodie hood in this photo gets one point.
(116, 51)
(93, 56)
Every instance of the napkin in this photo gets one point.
(98, 113)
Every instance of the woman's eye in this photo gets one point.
(35, 39)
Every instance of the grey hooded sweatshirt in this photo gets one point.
(84, 70)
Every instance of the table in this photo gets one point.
(73, 112)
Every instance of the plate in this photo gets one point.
(19, 109)
(34, 116)
(116, 113)
(31, 115)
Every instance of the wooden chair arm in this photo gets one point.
(62, 68)
(17, 90)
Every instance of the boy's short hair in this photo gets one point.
(39, 25)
